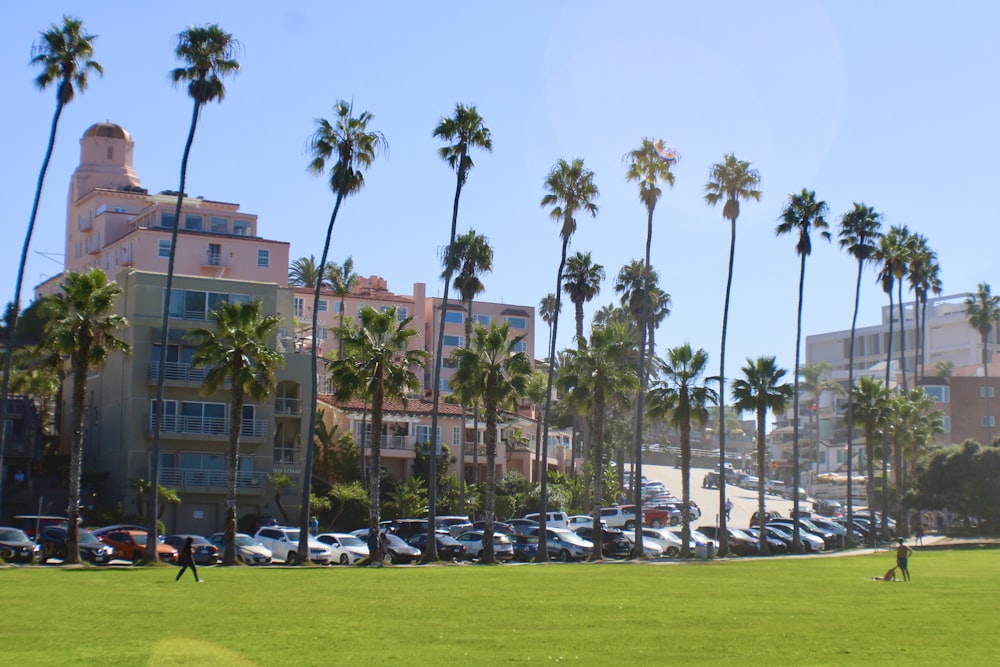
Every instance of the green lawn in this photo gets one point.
(768, 612)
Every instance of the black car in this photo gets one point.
(15, 547)
(205, 553)
(53, 545)
(614, 543)
(498, 527)
(740, 544)
(448, 548)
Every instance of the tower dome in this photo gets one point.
(110, 130)
(105, 160)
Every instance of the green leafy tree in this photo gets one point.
(280, 481)
(860, 234)
(729, 182)
(304, 272)
(982, 309)
(408, 498)
(351, 147)
(342, 280)
(491, 367)
(377, 363)
(869, 410)
(65, 55)
(962, 478)
(83, 327)
(207, 53)
(235, 351)
(912, 423)
(582, 280)
(679, 398)
(570, 190)
(759, 390)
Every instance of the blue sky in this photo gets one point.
(890, 103)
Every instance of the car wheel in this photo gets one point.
(136, 557)
(657, 523)
(674, 521)
(564, 556)
(672, 552)
(344, 560)
(629, 525)
(290, 558)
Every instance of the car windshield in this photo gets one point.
(243, 541)
(351, 541)
(140, 538)
(740, 533)
(13, 535)
(87, 537)
(292, 535)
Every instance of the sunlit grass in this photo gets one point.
(779, 611)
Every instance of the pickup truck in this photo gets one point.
(623, 516)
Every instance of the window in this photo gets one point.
(193, 222)
(195, 304)
(241, 227)
(299, 303)
(321, 308)
(322, 333)
(424, 434)
(986, 392)
(485, 320)
(444, 386)
(456, 435)
(517, 322)
(401, 313)
(940, 393)
(164, 248)
(988, 422)
(263, 257)
(168, 220)
(209, 418)
(521, 346)
(219, 225)
(454, 317)
(454, 341)
(946, 423)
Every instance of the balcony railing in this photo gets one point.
(214, 479)
(252, 428)
(176, 371)
(394, 441)
(287, 406)
(216, 259)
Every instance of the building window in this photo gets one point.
(193, 222)
(454, 341)
(986, 392)
(401, 313)
(219, 225)
(988, 422)
(456, 435)
(299, 303)
(485, 320)
(321, 308)
(521, 346)
(454, 317)
(940, 393)
(168, 220)
(263, 258)
(946, 423)
(444, 386)
(196, 305)
(241, 227)
(164, 248)
(517, 322)
(424, 434)
(322, 333)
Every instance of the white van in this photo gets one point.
(552, 519)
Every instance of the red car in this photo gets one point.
(131, 545)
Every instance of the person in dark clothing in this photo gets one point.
(186, 560)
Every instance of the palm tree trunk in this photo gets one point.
(643, 383)
(374, 501)
(16, 302)
(491, 476)
(796, 535)
(686, 487)
(154, 476)
(597, 449)
(850, 412)
(232, 472)
(870, 451)
(986, 383)
(885, 437)
(475, 442)
(461, 461)
(307, 468)
(722, 383)
(902, 337)
(761, 466)
(79, 364)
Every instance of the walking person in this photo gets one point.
(383, 548)
(373, 548)
(186, 560)
(729, 507)
(902, 559)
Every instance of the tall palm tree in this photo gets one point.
(595, 372)
(912, 423)
(571, 190)
(730, 182)
(982, 309)
(924, 277)
(207, 54)
(642, 297)
(801, 214)
(64, 52)
(648, 166)
(235, 350)
(491, 367)
(304, 272)
(351, 147)
(82, 326)
(582, 280)
(679, 398)
(463, 131)
(379, 364)
(759, 390)
(547, 311)
(860, 233)
(342, 281)
(868, 410)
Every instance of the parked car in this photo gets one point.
(743, 536)
(710, 480)
(345, 549)
(284, 544)
(552, 519)
(787, 493)
(522, 526)
(455, 525)
(618, 516)
(741, 545)
(614, 544)
(525, 547)
(400, 552)
(131, 545)
(830, 508)
(204, 552)
(831, 540)
(498, 527)
(248, 550)
(448, 548)
(566, 545)
(52, 542)
(31, 523)
(503, 548)
(808, 541)
(669, 543)
(15, 547)
(774, 544)
(99, 533)
(770, 514)
(775, 487)
(578, 520)
(403, 527)
(750, 482)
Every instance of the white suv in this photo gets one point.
(284, 543)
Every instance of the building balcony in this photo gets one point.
(287, 407)
(191, 479)
(176, 371)
(93, 245)
(395, 442)
(216, 260)
(207, 426)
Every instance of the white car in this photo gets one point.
(284, 543)
(345, 549)
(503, 548)
(665, 539)
(248, 550)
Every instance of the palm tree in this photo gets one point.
(729, 181)
(352, 147)
(342, 280)
(547, 311)
(924, 277)
(64, 52)
(678, 398)
(464, 131)
(208, 53)
(378, 363)
(632, 283)
(595, 372)
(983, 312)
(581, 282)
(491, 367)
(304, 272)
(759, 390)
(859, 235)
(868, 410)
(814, 380)
(235, 351)
(571, 190)
(802, 214)
(83, 327)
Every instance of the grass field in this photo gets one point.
(804, 611)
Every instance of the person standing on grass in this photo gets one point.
(383, 548)
(729, 507)
(186, 560)
(902, 558)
